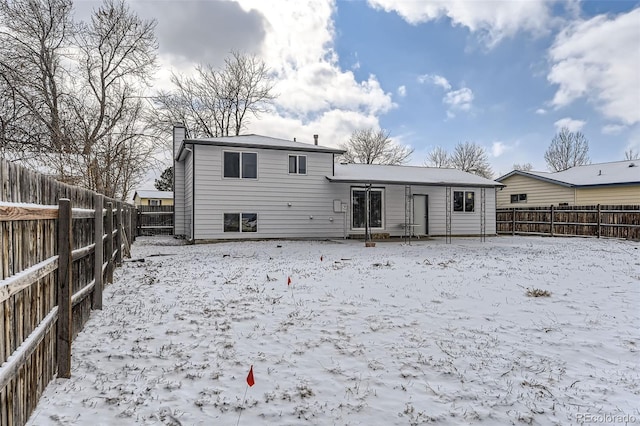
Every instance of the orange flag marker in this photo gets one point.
(250, 380)
(288, 280)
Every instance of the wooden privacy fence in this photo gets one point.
(155, 220)
(584, 221)
(59, 245)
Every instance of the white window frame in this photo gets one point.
(155, 202)
(464, 202)
(519, 199)
(240, 231)
(297, 157)
(382, 213)
(240, 165)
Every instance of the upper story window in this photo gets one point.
(464, 201)
(298, 164)
(242, 165)
(518, 198)
(155, 202)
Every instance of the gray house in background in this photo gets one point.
(250, 187)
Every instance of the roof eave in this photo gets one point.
(416, 183)
(311, 148)
(600, 185)
(531, 175)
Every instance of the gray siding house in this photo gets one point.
(253, 187)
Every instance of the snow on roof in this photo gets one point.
(259, 141)
(150, 193)
(614, 173)
(376, 173)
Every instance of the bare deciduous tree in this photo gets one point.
(471, 157)
(439, 157)
(73, 104)
(525, 167)
(216, 102)
(33, 38)
(631, 155)
(567, 149)
(118, 55)
(370, 146)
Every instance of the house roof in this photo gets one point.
(407, 175)
(600, 174)
(259, 141)
(150, 193)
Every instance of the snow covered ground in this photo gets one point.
(392, 335)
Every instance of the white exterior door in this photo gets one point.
(421, 214)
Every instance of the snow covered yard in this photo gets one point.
(397, 334)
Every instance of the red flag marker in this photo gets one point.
(250, 380)
(321, 258)
(288, 280)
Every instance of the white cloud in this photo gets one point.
(402, 91)
(613, 129)
(598, 60)
(493, 21)
(438, 80)
(570, 123)
(333, 127)
(541, 111)
(315, 95)
(499, 148)
(459, 99)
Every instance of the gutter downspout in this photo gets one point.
(193, 193)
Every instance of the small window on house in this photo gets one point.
(464, 201)
(469, 201)
(240, 165)
(359, 208)
(240, 222)
(249, 222)
(298, 164)
(518, 198)
(154, 202)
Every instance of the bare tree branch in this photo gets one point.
(216, 102)
(525, 167)
(567, 149)
(439, 157)
(370, 146)
(631, 155)
(471, 157)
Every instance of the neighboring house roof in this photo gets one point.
(407, 175)
(259, 141)
(150, 193)
(600, 174)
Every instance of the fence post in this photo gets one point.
(513, 221)
(64, 329)
(98, 252)
(599, 220)
(134, 223)
(552, 220)
(119, 234)
(109, 229)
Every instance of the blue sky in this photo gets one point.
(504, 74)
(508, 82)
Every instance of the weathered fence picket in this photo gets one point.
(52, 271)
(584, 221)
